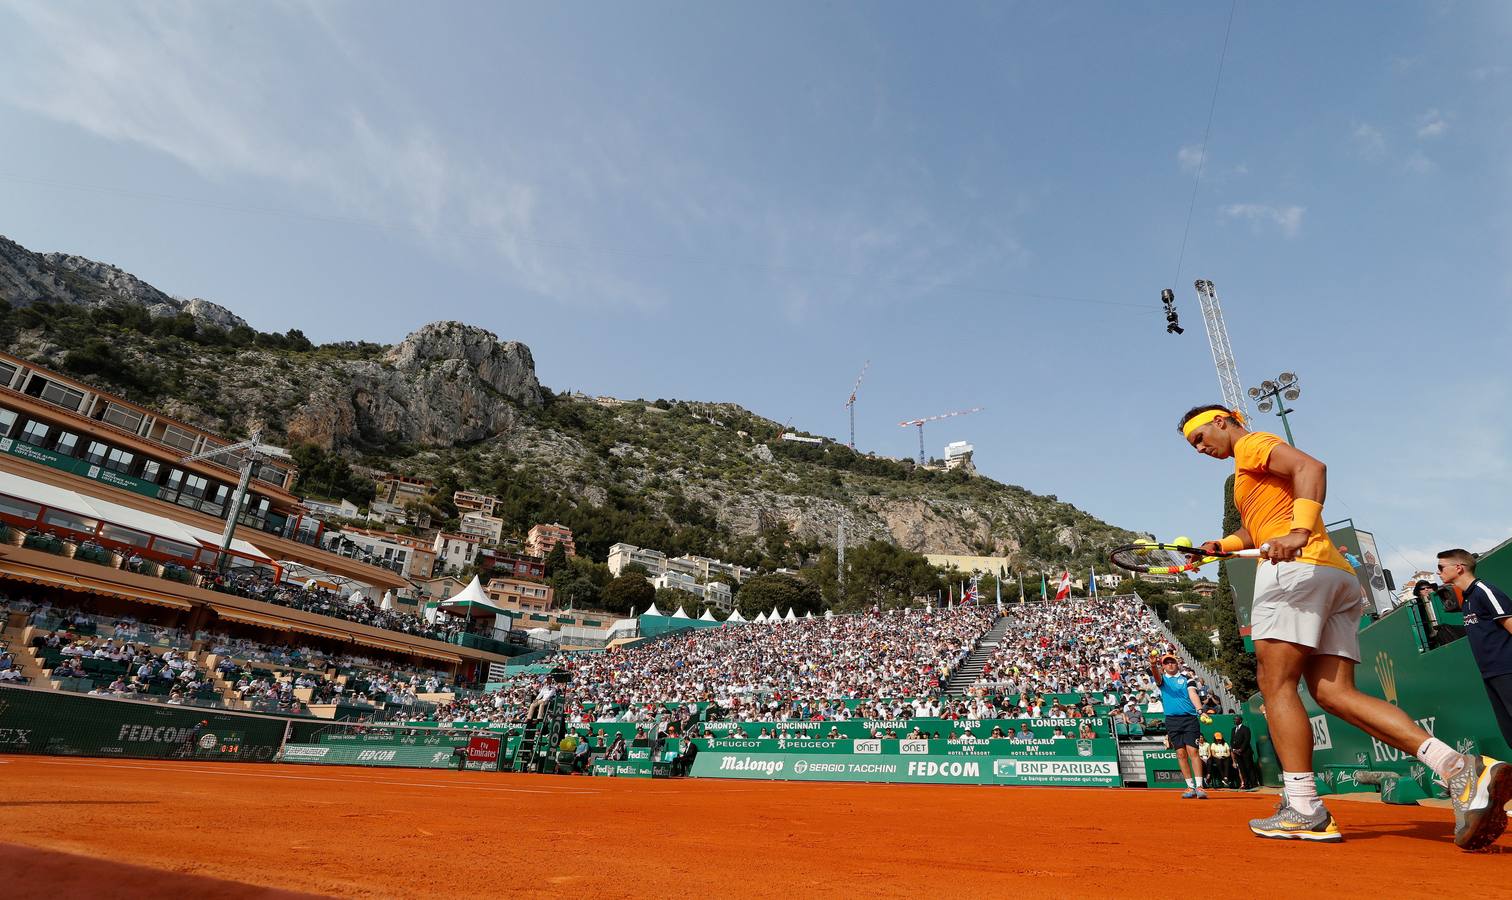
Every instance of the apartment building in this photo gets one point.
(470, 501)
(486, 528)
(542, 539)
(519, 594)
(454, 552)
(402, 489)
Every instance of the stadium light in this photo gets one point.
(1275, 394)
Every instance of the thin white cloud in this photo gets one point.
(1189, 157)
(1418, 164)
(1288, 219)
(1431, 124)
(1368, 140)
(281, 93)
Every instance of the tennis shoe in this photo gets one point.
(1480, 791)
(1189, 794)
(1289, 824)
(1200, 794)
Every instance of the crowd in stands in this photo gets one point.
(262, 586)
(1100, 648)
(754, 671)
(134, 669)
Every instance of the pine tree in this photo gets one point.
(1233, 660)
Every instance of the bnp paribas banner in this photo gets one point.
(1086, 771)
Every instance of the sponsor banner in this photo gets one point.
(56, 460)
(624, 768)
(396, 757)
(850, 729)
(1101, 747)
(1071, 770)
(484, 751)
(387, 737)
(64, 724)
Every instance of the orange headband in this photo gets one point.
(1202, 418)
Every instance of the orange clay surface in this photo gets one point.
(101, 828)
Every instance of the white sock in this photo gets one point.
(1199, 782)
(1301, 792)
(1443, 759)
(1191, 785)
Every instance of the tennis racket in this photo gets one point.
(1168, 559)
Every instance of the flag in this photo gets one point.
(999, 584)
(969, 592)
(1044, 588)
(1063, 590)
(950, 588)
(1094, 581)
(1020, 579)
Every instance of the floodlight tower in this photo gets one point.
(253, 452)
(851, 403)
(1277, 393)
(1223, 353)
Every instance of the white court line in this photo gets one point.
(221, 771)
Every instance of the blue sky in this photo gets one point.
(746, 202)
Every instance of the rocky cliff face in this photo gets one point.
(445, 384)
(27, 278)
(454, 400)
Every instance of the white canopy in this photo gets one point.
(707, 616)
(388, 600)
(735, 616)
(652, 610)
(472, 597)
(760, 619)
(473, 593)
(829, 614)
(680, 614)
(810, 614)
(153, 524)
(774, 615)
(790, 616)
(356, 598)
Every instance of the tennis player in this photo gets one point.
(1305, 623)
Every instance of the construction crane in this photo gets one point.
(253, 451)
(851, 403)
(919, 423)
(1223, 354)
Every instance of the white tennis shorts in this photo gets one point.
(1315, 606)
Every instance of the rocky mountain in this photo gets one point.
(27, 278)
(455, 403)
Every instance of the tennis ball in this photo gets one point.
(1183, 541)
(1206, 719)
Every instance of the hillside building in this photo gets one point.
(542, 539)
(469, 501)
(520, 594)
(486, 528)
(454, 552)
(402, 489)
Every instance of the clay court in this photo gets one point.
(118, 828)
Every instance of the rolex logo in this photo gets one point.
(1385, 669)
